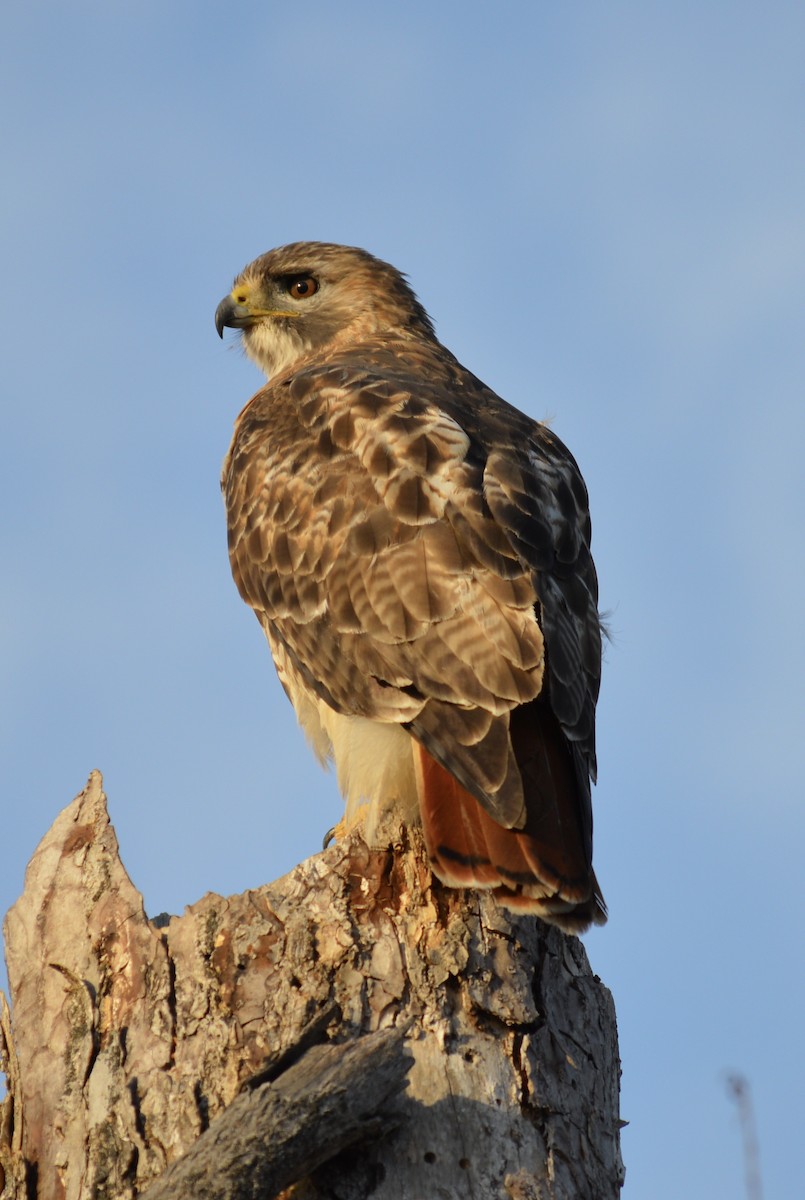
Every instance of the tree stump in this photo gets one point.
(352, 1030)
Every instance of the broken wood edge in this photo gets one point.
(274, 1135)
(12, 1163)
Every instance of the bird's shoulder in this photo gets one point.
(405, 380)
(402, 422)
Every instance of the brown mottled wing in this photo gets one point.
(396, 526)
(536, 493)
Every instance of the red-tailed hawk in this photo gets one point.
(418, 554)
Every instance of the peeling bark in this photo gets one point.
(133, 1038)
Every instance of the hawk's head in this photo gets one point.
(309, 295)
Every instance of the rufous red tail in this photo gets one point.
(543, 868)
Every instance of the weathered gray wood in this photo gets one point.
(132, 1036)
(278, 1133)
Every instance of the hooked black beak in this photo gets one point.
(231, 315)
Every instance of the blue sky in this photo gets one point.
(602, 208)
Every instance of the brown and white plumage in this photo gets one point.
(418, 554)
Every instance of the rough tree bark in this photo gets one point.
(352, 1030)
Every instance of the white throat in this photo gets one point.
(274, 346)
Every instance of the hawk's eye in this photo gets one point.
(303, 288)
